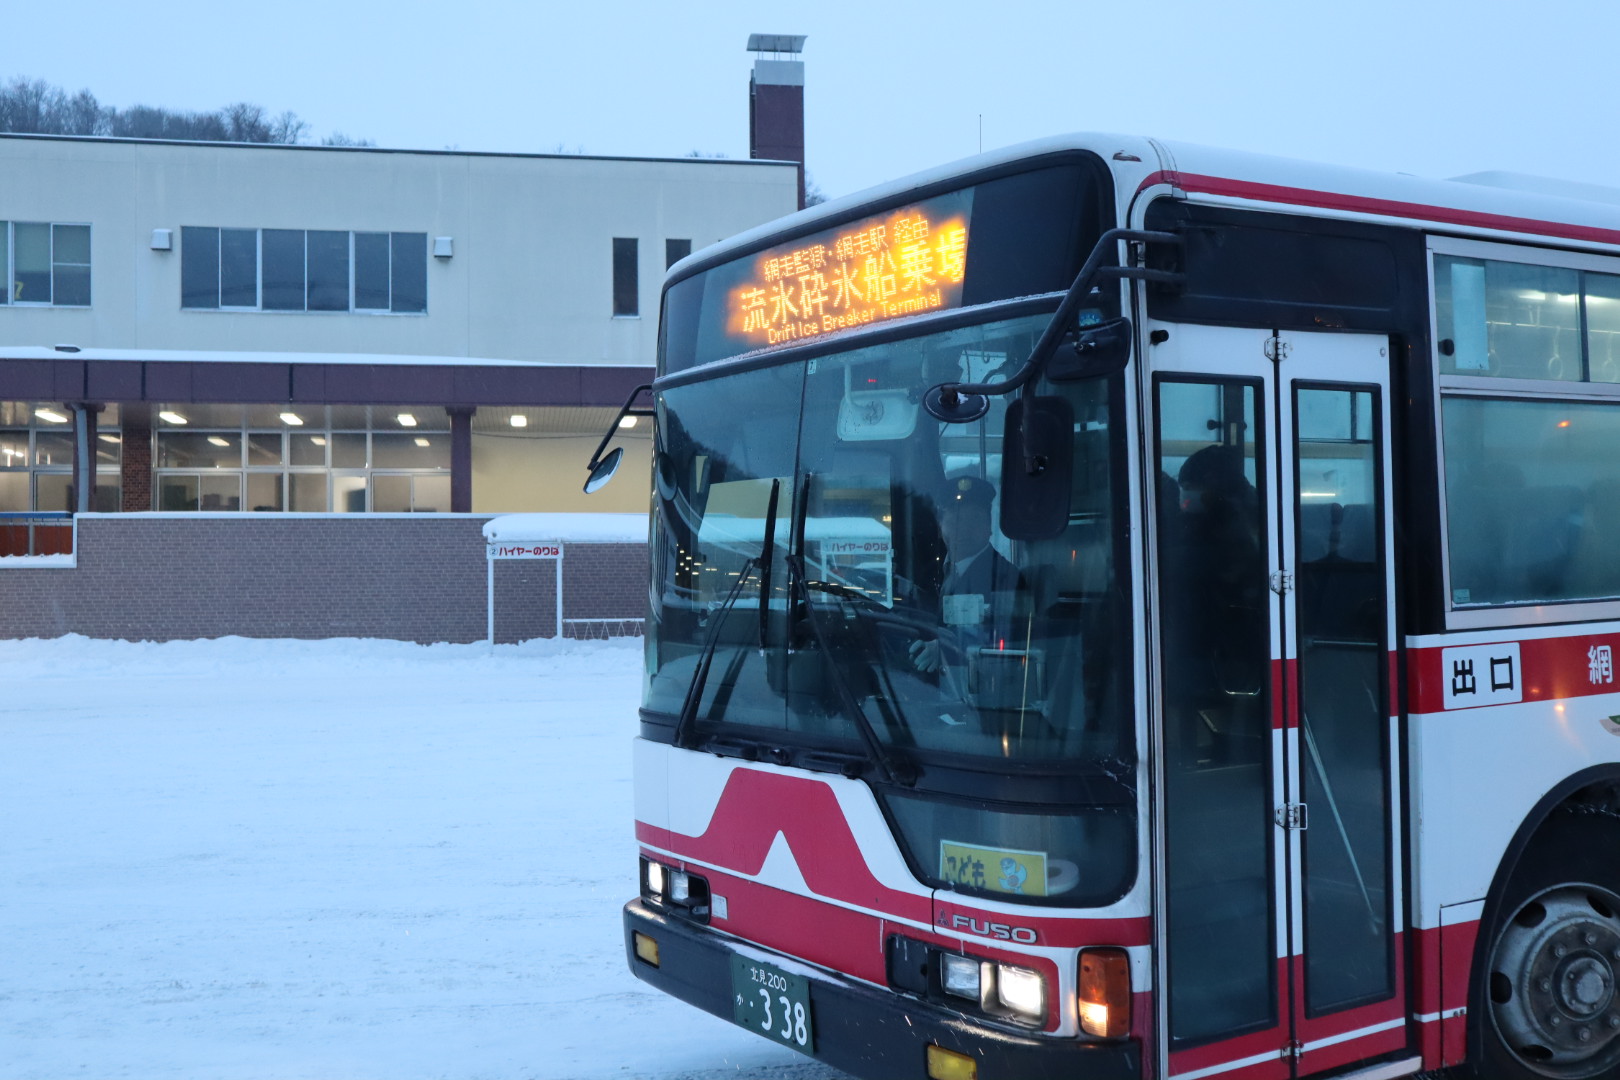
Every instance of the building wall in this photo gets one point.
(162, 577)
(531, 277)
(518, 475)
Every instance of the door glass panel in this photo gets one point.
(1343, 712)
(1217, 652)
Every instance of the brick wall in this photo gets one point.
(162, 577)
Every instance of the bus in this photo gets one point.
(1127, 609)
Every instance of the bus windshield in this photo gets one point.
(837, 552)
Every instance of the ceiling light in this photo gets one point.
(104, 437)
(406, 420)
(215, 440)
(421, 441)
(520, 421)
(171, 417)
(318, 440)
(50, 416)
(628, 422)
(292, 419)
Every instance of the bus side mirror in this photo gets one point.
(603, 471)
(1099, 349)
(1037, 468)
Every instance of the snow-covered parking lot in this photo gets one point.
(286, 860)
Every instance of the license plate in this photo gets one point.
(766, 999)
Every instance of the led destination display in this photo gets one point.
(904, 263)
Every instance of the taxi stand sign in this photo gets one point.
(528, 549)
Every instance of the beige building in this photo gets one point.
(239, 327)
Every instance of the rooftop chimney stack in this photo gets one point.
(776, 100)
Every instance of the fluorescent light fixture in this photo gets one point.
(104, 437)
(318, 440)
(628, 422)
(421, 441)
(172, 417)
(520, 421)
(406, 420)
(215, 440)
(292, 419)
(50, 416)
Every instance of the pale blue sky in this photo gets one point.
(1434, 87)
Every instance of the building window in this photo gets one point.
(675, 251)
(313, 459)
(36, 459)
(626, 285)
(45, 264)
(302, 270)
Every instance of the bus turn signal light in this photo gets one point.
(1105, 993)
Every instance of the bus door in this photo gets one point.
(1282, 915)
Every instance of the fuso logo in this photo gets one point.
(1021, 934)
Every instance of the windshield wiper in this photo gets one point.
(799, 585)
(700, 677)
(766, 556)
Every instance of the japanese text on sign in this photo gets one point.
(1482, 675)
(526, 551)
(884, 268)
(1005, 870)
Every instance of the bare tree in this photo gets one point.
(35, 107)
(337, 138)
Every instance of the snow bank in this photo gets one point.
(578, 528)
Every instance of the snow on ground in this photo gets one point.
(333, 860)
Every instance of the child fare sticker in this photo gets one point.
(1006, 870)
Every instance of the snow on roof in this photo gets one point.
(568, 528)
(91, 352)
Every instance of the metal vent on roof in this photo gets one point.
(776, 43)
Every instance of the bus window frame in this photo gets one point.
(1444, 386)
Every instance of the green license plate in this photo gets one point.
(772, 1002)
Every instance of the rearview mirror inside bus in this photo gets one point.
(1037, 465)
(1099, 349)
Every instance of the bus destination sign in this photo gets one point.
(903, 263)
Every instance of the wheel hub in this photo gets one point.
(1554, 978)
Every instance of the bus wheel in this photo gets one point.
(1552, 986)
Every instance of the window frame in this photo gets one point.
(1447, 386)
(631, 289)
(259, 307)
(8, 263)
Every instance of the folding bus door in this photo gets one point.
(1276, 755)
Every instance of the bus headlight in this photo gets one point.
(959, 975)
(1021, 990)
(655, 878)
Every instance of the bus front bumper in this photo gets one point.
(864, 1031)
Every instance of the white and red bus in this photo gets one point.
(1123, 609)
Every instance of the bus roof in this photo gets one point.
(1493, 205)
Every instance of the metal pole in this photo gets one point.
(489, 600)
(559, 591)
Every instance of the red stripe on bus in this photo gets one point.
(756, 806)
(1550, 669)
(1370, 1044)
(1331, 200)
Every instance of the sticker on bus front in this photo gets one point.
(1006, 870)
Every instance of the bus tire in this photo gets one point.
(1547, 996)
